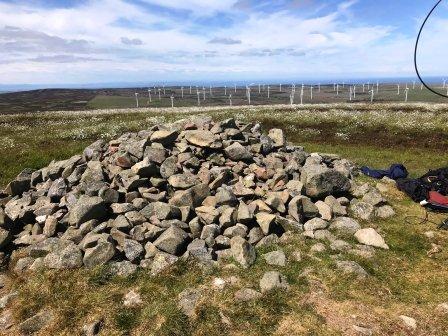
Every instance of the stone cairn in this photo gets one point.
(192, 189)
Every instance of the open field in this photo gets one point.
(406, 280)
(85, 99)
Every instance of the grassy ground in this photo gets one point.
(85, 99)
(321, 300)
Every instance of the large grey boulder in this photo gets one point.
(351, 267)
(345, 225)
(161, 262)
(238, 152)
(173, 241)
(191, 197)
(200, 138)
(374, 197)
(273, 280)
(275, 258)
(36, 323)
(385, 211)
(247, 294)
(165, 137)
(278, 137)
(122, 268)
(225, 196)
(320, 181)
(315, 224)
(265, 221)
(362, 210)
(161, 211)
(42, 248)
(66, 258)
(87, 208)
(58, 189)
(99, 255)
(189, 300)
(169, 167)
(20, 184)
(243, 252)
(370, 237)
(183, 181)
(132, 249)
(92, 180)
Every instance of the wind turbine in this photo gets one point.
(292, 94)
(190, 89)
(406, 95)
(230, 99)
(337, 89)
(159, 93)
(311, 92)
(248, 94)
(350, 94)
(182, 91)
(371, 97)
(398, 88)
(269, 90)
(354, 91)
(377, 86)
(136, 98)
(280, 88)
(319, 87)
(301, 94)
(225, 90)
(199, 96)
(172, 101)
(149, 95)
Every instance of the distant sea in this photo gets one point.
(389, 80)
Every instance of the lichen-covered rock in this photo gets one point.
(320, 181)
(173, 241)
(99, 255)
(243, 252)
(273, 280)
(370, 237)
(66, 258)
(87, 208)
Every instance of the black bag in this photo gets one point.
(436, 180)
(415, 189)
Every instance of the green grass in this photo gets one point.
(102, 102)
(403, 280)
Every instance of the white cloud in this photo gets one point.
(199, 7)
(90, 42)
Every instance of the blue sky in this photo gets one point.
(94, 41)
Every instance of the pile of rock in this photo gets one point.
(194, 188)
